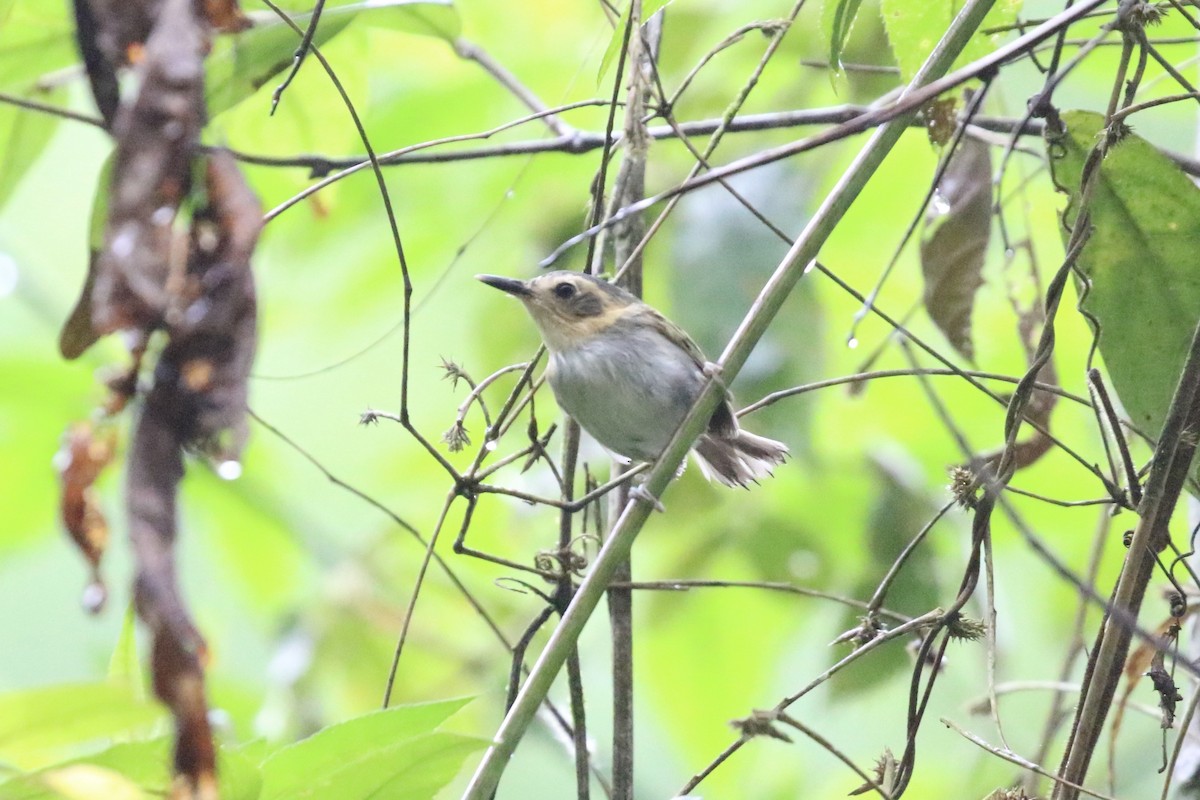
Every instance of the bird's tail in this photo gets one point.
(739, 459)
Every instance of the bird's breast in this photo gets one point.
(628, 388)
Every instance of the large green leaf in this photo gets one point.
(649, 9)
(123, 666)
(1140, 259)
(839, 16)
(239, 65)
(142, 766)
(78, 333)
(38, 726)
(915, 26)
(958, 225)
(35, 38)
(395, 753)
(24, 134)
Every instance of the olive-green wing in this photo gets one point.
(723, 422)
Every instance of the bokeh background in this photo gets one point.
(300, 585)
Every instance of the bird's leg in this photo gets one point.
(638, 491)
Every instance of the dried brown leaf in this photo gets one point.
(941, 120)
(78, 333)
(156, 136)
(226, 16)
(1140, 663)
(85, 453)
(214, 338)
(958, 227)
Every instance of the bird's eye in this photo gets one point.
(565, 290)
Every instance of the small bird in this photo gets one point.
(628, 375)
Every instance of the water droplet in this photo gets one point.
(123, 242)
(940, 204)
(852, 343)
(94, 597)
(196, 312)
(810, 266)
(8, 274)
(162, 216)
(230, 470)
(490, 445)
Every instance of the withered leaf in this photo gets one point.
(958, 227)
(155, 139)
(941, 120)
(213, 337)
(226, 16)
(85, 453)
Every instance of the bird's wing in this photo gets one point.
(723, 422)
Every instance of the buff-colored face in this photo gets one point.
(568, 307)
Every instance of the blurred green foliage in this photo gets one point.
(300, 585)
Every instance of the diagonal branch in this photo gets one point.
(790, 270)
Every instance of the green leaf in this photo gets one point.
(24, 134)
(124, 667)
(142, 766)
(958, 225)
(38, 726)
(73, 782)
(395, 753)
(78, 333)
(423, 17)
(239, 65)
(844, 14)
(649, 8)
(1140, 259)
(35, 39)
(915, 26)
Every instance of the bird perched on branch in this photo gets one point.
(628, 375)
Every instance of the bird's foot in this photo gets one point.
(639, 492)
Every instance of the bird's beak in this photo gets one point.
(511, 285)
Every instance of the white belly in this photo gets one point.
(629, 398)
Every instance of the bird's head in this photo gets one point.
(568, 307)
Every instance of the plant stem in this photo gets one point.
(616, 550)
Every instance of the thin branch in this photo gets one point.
(912, 626)
(1024, 763)
(473, 52)
(790, 270)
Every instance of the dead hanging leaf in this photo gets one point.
(195, 286)
(1148, 660)
(212, 344)
(941, 120)
(958, 226)
(198, 393)
(226, 16)
(156, 135)
(85, 453)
